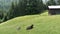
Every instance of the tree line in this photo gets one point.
(26, 7)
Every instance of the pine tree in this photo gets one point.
(51, 2)
(28, 7)
(58, 2)
(10, 14)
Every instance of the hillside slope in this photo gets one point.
(42, 25)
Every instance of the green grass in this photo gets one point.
(45, 13)
(42, 25)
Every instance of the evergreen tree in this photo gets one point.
(28, 7)
(10, 14)
(58, 2)
(51, 2)
(40, 6)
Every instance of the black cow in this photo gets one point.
(30, 27)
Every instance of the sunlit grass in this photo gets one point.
(43, 24)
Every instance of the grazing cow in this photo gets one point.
(30, 27)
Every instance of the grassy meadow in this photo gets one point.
(43, 24)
